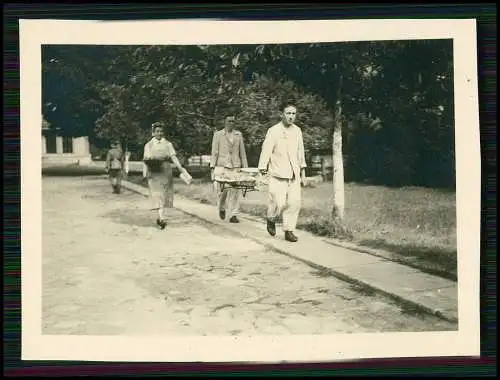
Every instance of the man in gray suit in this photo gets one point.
(228, 156)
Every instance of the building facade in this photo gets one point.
(64, 150)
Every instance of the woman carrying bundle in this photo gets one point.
(157, 170)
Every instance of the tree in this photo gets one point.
(171, 84)
(385, 107)
(338, 209)
(116, 123)
(189, 91)
(70, 76)
(323, 69)
(409, 90)
(45, 123)
(258, 105)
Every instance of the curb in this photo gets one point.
(385, 255)
(409, 304)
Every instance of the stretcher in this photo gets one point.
(247, 180)
(245, 186)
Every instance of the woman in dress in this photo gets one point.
(114, 165)
(157, 170)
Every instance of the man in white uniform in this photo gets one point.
(283, 158)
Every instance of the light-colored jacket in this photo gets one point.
(227, 152)
(282, 152)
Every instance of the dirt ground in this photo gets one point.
(108, 270)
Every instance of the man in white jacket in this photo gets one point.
(283, 157)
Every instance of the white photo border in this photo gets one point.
(258, 349)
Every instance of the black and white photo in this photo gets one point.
(307, 194)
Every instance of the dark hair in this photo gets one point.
(229, 110)
(287, 103)
(157, 124)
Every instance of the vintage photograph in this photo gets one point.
(248, 189)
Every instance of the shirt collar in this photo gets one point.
(156, 141)
(286, 128)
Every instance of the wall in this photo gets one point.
(80, 154)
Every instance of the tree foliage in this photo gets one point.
(396, 97)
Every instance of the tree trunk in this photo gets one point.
(338, 162)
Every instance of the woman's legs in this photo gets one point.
(161, 193)
(160, 204)
(167, 194)
(161, 213)
(161, 220)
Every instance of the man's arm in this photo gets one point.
(147, 152)
(302, 158)
(145, 170)
(214, 155)
(267, 149)
(173, 156)
(215, 150)
(243, 153)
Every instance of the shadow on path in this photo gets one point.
(147, 218)
(132, 217)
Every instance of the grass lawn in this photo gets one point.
(416, 226)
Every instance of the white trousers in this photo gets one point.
(228, 199)
(284, 199)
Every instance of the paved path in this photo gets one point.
(429, 293)
(107, 270)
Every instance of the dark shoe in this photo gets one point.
(118, 190)
(234, 219)
(271, 227)
(289, 236)
(222, 214)
(161, 223)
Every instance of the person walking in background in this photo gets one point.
(157, 170)
(283, 158)
(126, 165)
(114, 165)
(228, 156)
